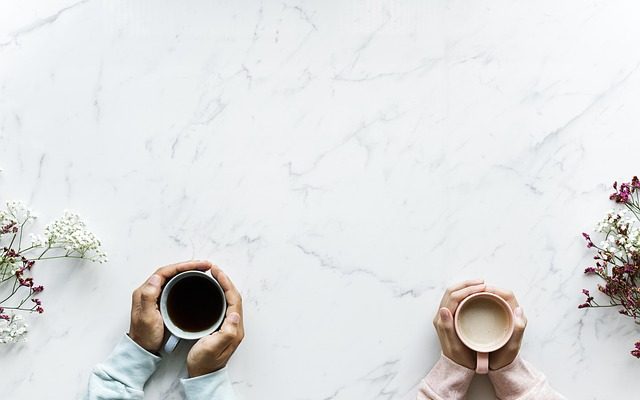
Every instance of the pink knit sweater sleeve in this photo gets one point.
(446, 381)
(520, 381)
(517, 381)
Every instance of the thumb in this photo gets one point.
(446, 319)
(149, 293)
(229, 329)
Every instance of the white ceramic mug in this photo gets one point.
(176, 332)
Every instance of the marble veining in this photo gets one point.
(342, 161)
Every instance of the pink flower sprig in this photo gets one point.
(617, 259)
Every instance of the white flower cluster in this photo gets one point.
(71, 233)
(14, 330)
(16, 212)
(621, 232)
(37, 240)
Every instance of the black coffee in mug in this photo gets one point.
(195, 304)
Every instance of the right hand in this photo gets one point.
(506, 354)
(452, 346)
(211, 353)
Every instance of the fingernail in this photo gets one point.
(154, 280)
(444, 314)
(234, 318)
(518, 312)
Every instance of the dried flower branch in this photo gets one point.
(66, 237)
(617, 259)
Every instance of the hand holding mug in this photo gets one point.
(147, 327)
(212, 352)
(452, 346)
(505, 355)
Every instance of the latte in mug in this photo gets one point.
(484, 322)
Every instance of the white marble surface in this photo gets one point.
(342, 161)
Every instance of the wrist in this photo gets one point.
(494, 366)
(503, 357)
(140, 341)
(466, 360)
(194, 370)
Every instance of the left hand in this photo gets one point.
(452, 346)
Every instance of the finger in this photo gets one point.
(520, 323)
(464, 284)
(229, 333)
(136, 302)
(458, 286)
(169, 271)
(148, 294)
(446, 329)
(237, 335)
(445, 320)
(507, 295)
(234, 300)
(456, 297)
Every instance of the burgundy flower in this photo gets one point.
(636, 352)
(588, 239)
(584, 305)
(28, 282)
(590, 270)
(9, 228)
(40, 310)
(37, 289)
(623, 194)
(37, 301)
(5, 317)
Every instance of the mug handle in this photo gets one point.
(482, 363)
(171, 344)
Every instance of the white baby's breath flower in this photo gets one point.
(13, 330)
(19, 211)
(71, 233)
(37, 240)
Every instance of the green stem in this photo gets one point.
(54, 257)
(14, 290)
(12, 240)
(20, 239)
(19, 309)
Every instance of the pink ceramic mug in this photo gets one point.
(484, 322)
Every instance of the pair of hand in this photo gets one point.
(210, 353)
(453, 348)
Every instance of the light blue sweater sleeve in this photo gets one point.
(123, 375)
(213, 386)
